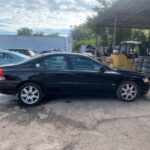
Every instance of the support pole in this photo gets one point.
(96, 45)
(115, 31)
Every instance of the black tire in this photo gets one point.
(139, 69)
(38, 94)
(138, 65)
(147, 60)
(139, 60)
(147, 74)
(146, 65)
(143, 57)
(145, 70)
(124, 98)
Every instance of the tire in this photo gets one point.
(146, 70)
(29, 94)
(138, 65)
(128, 91)
(147, 60)
(146, 65)
(143, 57)
(139, 69)
(147, 74)
(139, 60)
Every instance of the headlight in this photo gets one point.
(146, 80)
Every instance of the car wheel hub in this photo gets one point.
(30, 95)
(129, 92)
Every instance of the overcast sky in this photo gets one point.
(43, 15)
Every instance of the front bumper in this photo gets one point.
(145, 88)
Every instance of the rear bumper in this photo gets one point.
(8, 87)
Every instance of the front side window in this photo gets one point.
(81, 63)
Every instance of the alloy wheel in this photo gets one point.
(30, 95)
(128, 92)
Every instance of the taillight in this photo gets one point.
(2, 76)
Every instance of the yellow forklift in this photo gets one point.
(125, 56)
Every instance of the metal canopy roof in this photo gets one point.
(128, 13)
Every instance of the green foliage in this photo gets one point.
(91, 29)
(25, 32)
(123, 35)
(139, 35)
(82, 32)
(39, 34)
(53, 34)
(29, 32)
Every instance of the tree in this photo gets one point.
(82, 35)
(53, 34)
(91, 32)
(104, 34)
(39, 34)
(25, 32)
(139, 35)
(82, 32)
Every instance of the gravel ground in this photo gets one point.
(75, 124)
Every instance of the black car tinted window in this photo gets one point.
(83, 63)
(56, 63)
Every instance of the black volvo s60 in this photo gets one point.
(68, 73)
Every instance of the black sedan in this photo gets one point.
(58, 73)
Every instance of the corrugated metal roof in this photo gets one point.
(129, 13)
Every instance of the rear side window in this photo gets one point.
(54, 63)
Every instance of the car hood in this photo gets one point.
(126, 73)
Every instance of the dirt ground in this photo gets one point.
(75, 124)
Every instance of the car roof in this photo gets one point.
(20, 49)
(60, 53)
(64, 53)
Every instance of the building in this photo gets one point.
(37, 43)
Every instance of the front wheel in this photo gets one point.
(29, 94)
(128, 91)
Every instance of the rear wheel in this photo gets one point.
(29, 94)
(128, 91)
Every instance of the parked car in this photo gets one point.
(7, 57)
(72, 73)
(27, 52)
(52, 51)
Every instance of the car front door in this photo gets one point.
(88, 77)
(54, 73)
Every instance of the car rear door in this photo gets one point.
(54, 73)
